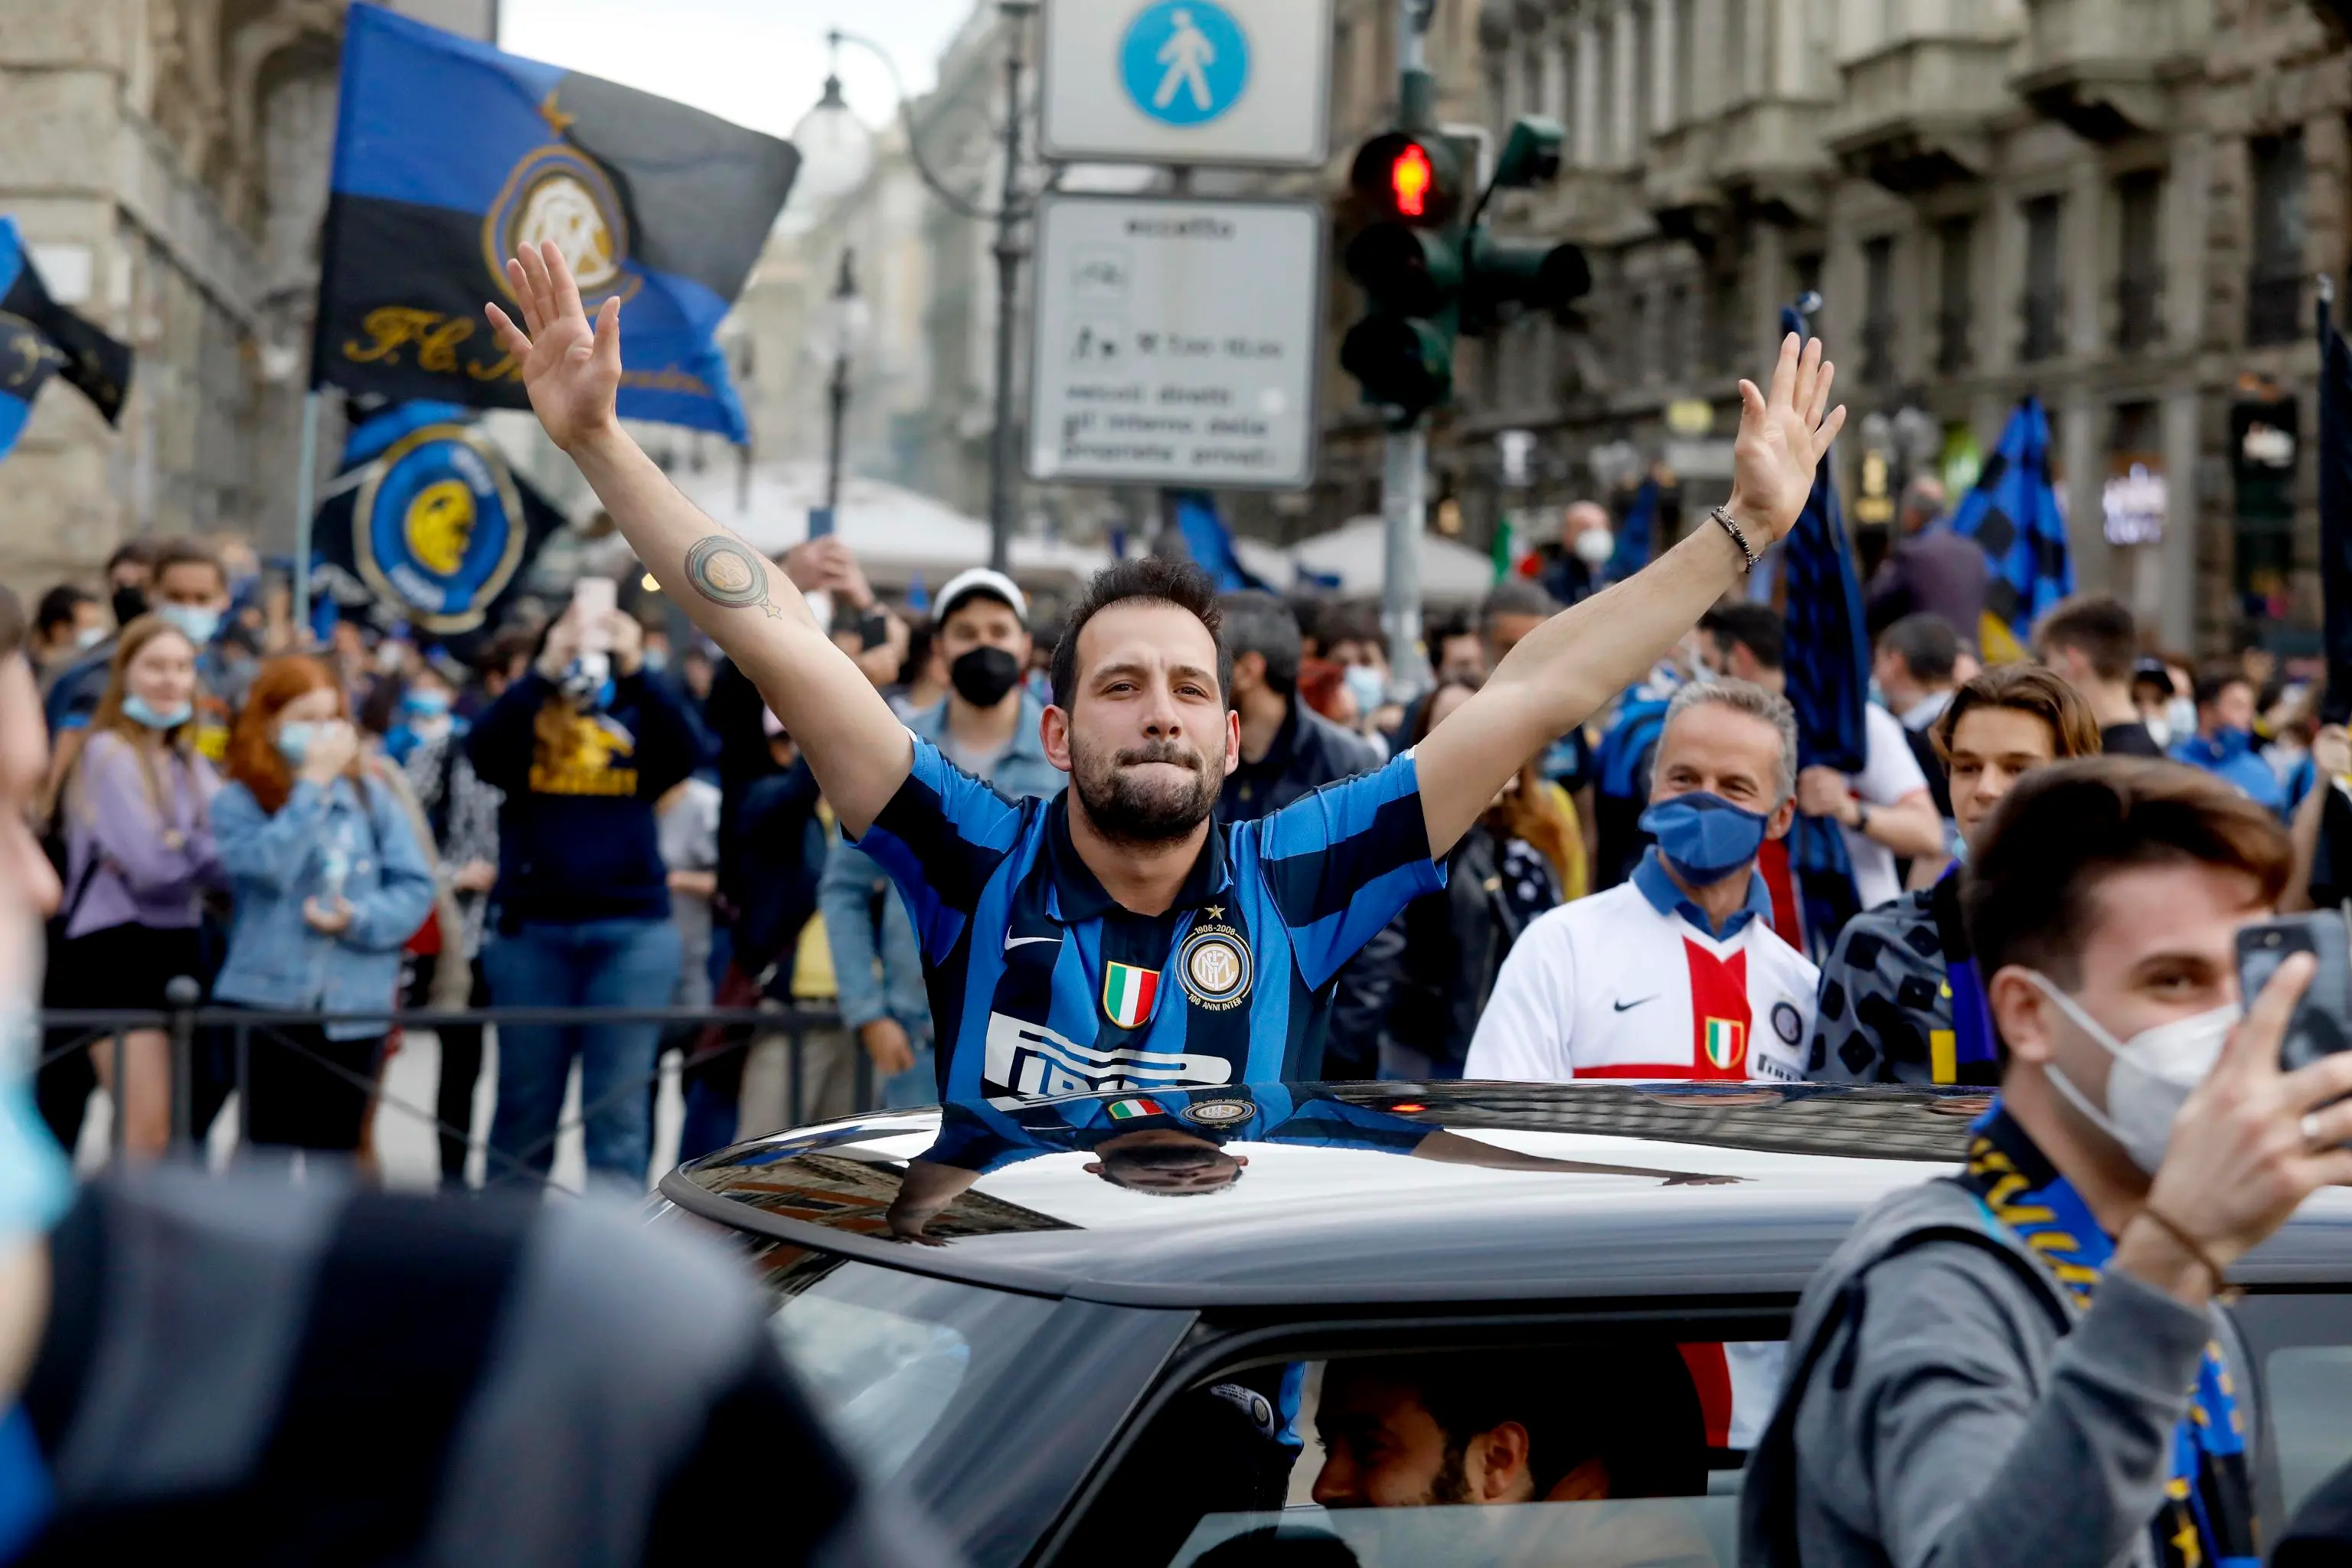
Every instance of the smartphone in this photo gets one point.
(593, 600)
(821, 522)
(2322, 1025)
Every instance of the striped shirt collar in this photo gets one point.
(1078, 894)
(1665, 898)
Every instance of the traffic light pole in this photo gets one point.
(1404, 453)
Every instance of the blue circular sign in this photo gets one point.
(1185, 62)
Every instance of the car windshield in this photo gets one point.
(1653, 1532)
(888, 1354)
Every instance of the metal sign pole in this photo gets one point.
(306, 490)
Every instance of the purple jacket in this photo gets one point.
(150, 870)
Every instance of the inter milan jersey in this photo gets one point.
(1040, 984)
(984, 1138)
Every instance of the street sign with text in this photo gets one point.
(1187, 81)
(1176, 341)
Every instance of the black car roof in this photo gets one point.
(1315, 1222)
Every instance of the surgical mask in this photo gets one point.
(1704, 836)
(197, 623)
(1366, 686)
(138, 710)
(657, 659)
(88, 637)
(127, 604)
(294, 738)
(427, 704)
(2181, 717)
(1594, 546)
(2151, 1076)
(983, 675)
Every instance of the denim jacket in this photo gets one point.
(275, 862)
(853, 883)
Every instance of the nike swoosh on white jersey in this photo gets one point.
(1012, 942)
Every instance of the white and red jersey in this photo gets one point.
(1615, 986)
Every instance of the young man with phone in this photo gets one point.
(2026, 1363)
(1119, 937)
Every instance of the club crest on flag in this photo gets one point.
(435, 527)
(1726, 1042)
(1129, 991)
(559, 195)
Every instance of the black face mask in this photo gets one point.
(129, 603)
(984, 676)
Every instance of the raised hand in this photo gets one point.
(1783, 436)
(572, 369)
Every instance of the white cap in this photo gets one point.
(978, 580)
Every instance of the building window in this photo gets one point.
(1604, 39)
(1724, 309)
(1636, 352)
(1954, 298)
(1735, 49)
(1646, 75)
(2139, 273)
(1685, 108)
(2045, 287)
(1674, 334)
(1879, 311)
(2275, 284)
(1531, 83)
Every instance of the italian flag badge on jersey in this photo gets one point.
(1724, 1039)
(1128, 992)
(1129, 1110)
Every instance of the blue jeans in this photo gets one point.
(593, 963)
(918, 1086)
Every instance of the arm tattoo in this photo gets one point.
(724, 571)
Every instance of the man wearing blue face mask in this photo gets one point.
(1678, 972)
(2223, 744)
(2025, 1361)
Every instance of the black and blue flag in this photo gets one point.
(428, 524)
(40, 338)
(1829, 685)
(450, 153)
(1210, 545)
(2013, 513)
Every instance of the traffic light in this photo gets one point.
(1409, 260)
(1433, 273)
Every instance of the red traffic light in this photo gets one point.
(1409, 179)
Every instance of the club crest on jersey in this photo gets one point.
(1129, 993)
(1218, 1112)
(1214, 964)
(1727, 1040)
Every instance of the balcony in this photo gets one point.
(1915, 111)
(1679, 188)
(2104, 68)
(1768, 158)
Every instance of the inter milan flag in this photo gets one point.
(2335, 514)
(1210, 545)
(2014, 514)
(429, 523)
(40, 338)
(450, 153)
(1829, 676)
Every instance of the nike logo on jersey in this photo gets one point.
(1012, 942)
(1629, 1006)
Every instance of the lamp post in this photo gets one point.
(848, 320)
(1012, 208)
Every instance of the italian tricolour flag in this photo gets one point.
(1128, 992)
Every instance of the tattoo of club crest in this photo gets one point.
(724, 571)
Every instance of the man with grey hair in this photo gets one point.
(1678, 972)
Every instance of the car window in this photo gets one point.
(1655, 1533)
(2311, 1416)
(886, 1353)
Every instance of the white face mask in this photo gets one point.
(2181, 717)
(2151, 1078)
(1594, 546)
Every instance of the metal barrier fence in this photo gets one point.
(188, 1019)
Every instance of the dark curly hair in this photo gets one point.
(1154, 579)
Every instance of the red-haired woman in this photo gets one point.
(136, 816)
(330, 882)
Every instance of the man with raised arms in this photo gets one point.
(1116, 937)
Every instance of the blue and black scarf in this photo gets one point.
(2207, 1517)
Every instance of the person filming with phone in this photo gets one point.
(2027, 1362)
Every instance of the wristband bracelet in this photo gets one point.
(2188, 1244)
(1747, 555)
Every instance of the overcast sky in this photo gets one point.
(760, 63)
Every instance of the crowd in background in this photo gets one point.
(359, 816)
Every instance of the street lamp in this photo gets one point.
(836, 153)
(1011, 210)
(845, 320)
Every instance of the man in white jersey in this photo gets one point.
(1678, 972)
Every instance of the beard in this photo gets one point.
(1128, 809)
(1452, 1482)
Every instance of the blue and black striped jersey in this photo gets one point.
(1040, 984)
